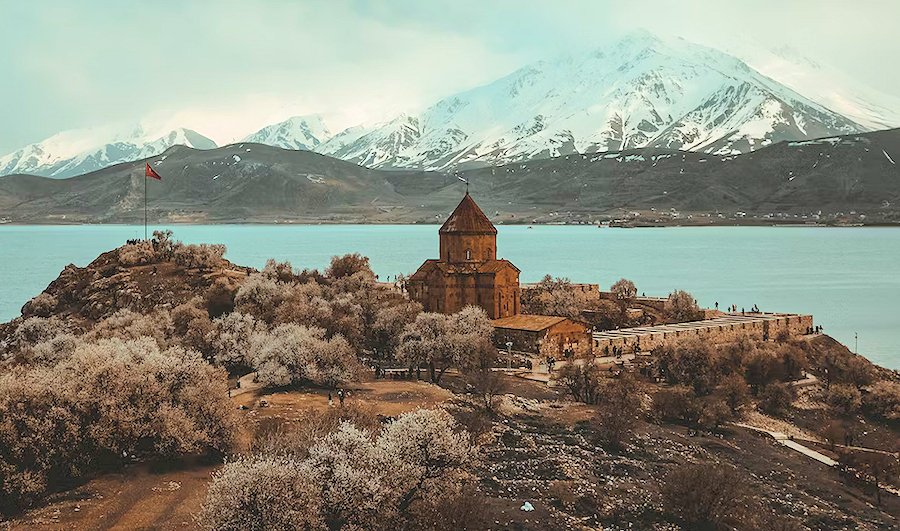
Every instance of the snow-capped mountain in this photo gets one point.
(298, 132)
(642, 91)
(823, 83)
(80, 151)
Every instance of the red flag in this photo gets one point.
(150, 172)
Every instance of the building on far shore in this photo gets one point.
(542, 334)
(468, 271)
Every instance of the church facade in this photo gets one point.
(467, 271)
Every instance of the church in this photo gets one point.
(467, 271)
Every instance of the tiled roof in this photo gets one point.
(488, 266)
(532, 323)
(468, 218)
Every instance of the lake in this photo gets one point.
(848, 278)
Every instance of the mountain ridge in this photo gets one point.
(853, 178)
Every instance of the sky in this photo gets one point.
(227, 68)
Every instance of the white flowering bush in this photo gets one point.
(443, 341)
(230, 339)
(126, 324)
(291, 353)
(199, 256)
(107, 399)
(351, 479)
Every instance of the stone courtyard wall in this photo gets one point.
(645, 339)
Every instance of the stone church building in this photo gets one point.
(467, 271)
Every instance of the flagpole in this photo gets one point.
(145, 207)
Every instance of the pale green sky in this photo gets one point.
(228, 67)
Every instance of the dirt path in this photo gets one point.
(135, 498)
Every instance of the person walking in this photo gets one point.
(330, 400)
(341, 396)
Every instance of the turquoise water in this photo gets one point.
(849, 279)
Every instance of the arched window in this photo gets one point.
(487, 254)
(468, 254)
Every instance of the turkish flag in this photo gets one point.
(150, 172)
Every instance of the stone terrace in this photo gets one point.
(721, 329)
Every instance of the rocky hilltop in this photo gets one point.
(537, 447)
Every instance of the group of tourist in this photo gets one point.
(733, 308)
(341, 394)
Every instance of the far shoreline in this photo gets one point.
(311, 223)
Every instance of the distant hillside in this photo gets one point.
(837, 177)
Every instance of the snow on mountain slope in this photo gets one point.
(298, 132)
(823, 83)
(642, 91)
(80, 151)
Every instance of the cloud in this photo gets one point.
(229, 67)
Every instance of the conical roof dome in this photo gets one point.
(468, 218)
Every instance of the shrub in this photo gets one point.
(263, 492)
(681, 307)
(734, 391)
(443, 341)
(843, 399)
(220, 298)
(583, 380)
(126, 324)
(555, 296)
(793, 361)
(704, 494)
(692, 363)
(883, 401)
(292, 354)
(619, 409)
(847, 368)
(108, 399)
(230, 339)
(199, 256)
(763, 368)
(348, 265)
(776, 398)
(676, 404)
(163, 244)
(135, 254)
(191, 323)
(280, 271)
(260, 296)
(713, 413)
(349, 479)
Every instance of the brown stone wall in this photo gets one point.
(497, 293)
(793, 324)
(552, 341)
(460, 247)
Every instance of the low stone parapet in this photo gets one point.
(723, 329)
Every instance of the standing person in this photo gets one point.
(341, 396)
(330, 400)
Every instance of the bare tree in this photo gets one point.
(704, 494)
(681, 307)
(619, 407)
(625, 292)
